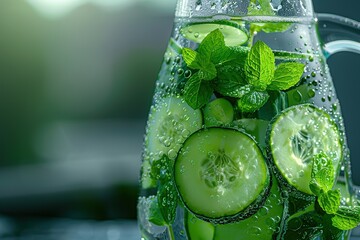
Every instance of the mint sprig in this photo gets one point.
(213, 60)
(321, 184)
(346, 218)
(246, 75)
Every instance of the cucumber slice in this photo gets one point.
(264, 225)
(171, 121)
(218, 112)
(198, 229)
(234, 34)
(221, 175)
(296, 135)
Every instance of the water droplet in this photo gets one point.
(177, 59)
(311, 93)
(187, 74)
(256, 231)
(180, 71)
(198, 6)
(334, 106)
(313, 74)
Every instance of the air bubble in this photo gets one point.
(187, 73)
(311, 93)
(180, 71)
(256, 231)
(177, 59)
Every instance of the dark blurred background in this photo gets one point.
(76, 82)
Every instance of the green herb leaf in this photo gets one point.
(262, 8)
(201, 62)
(346, 218)
(252, 101)
(275, 27)
(197, 92)
(155, 215)
(161, 169)
(212, 45)
(322, 174)
(189, 56)
(330, 201)
(167, 198)
(286, 75)
(237, 92)
(208, 73)
(260, 66)
(229, 79)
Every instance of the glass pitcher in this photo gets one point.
(245, 137)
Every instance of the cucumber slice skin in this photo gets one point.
(170, 122)
(302, 190)
(221, 218)
(235, 34)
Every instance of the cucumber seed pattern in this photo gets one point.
(302, 146)
(219, 170)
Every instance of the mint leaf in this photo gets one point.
(161, 169)
(229, 78)
(201, 62)
(208, 73)
(346, 218)
(252, 101)
(155, 215)
(197, 92)
(275, 27)
(330, 201)
(189, 56)
(260, 66)
(261, 8)
(167, 198)
(322, 174)
(236, 92)
(286, 75)
(213, 44)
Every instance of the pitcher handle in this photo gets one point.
(339, 34)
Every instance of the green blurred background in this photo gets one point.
(76, 82)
